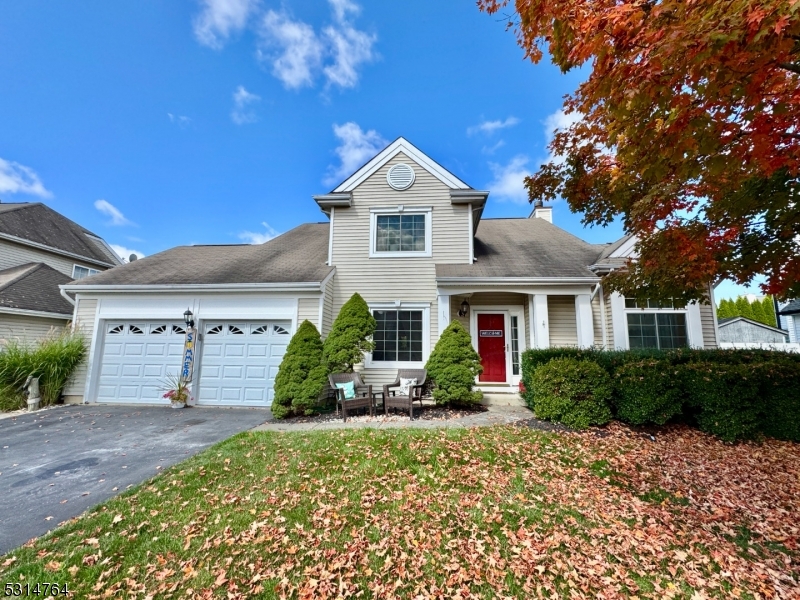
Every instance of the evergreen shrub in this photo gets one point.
(350, 336)
(647, 392)
(725, 398)
(453, 366)
(302, 374)
(573, 392)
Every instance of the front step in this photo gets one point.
(495, 399)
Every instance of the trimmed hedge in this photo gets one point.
(573, 392)
(302, 374)
(646, 393)
(732, 394)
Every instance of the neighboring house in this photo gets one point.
(39, 251)
(789, 315)
(408, 236)
(741, 330)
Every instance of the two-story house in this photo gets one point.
(409, 237)
(39, 251)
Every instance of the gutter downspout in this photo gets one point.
(66, 296)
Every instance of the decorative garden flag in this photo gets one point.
(187, 368)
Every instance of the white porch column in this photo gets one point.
(619, 322)
(694, 325)
(443, 303)
(585, 324)
(541, 321)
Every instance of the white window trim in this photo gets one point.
(90, 269)
(399, 210)
(694, 329)
(425, 307)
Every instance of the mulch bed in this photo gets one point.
(428, 412)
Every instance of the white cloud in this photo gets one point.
(356, 147)
(559, 120)
(124, 253)
(111, 211)
(300, 51)
(508, 183)
(489, 127)
(219, 19)
(349, 46)
(298, 54)
(19, 179)
(182, 121)
(259, 237)
(242, 101)
(493, 148)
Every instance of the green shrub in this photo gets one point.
(302, 374)
(350, 336)
(573, 392)
(780, 389)
(52, 359)
(453, 366)
(725, 398)
(647, 392)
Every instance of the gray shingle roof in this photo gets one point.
(792, 308)
(40, 224)
(296, 256)
(34, 286)
(525, 248)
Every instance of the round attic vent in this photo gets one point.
(400, 177)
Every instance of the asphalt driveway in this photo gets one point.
(56, 463)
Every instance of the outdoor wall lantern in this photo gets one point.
(464, 308)
(188, 318)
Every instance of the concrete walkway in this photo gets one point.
(494, 415)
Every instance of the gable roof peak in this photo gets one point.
(396, 147)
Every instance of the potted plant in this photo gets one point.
(176, 390)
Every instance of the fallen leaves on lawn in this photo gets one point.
(495, 512)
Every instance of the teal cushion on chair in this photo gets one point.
(349, 389)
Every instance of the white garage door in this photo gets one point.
(137, 357)
(240, 361)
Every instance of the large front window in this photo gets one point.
(398, 336)
(656, 330)
(400, 233)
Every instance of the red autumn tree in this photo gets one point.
(687, 129)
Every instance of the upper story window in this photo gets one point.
(79, 272)
(400, 232)
(660, 325)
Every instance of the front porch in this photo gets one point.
(503, 323)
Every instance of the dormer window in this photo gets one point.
(402, 231)
(79, 272)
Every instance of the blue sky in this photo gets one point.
(157, 124)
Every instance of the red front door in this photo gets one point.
(492, 347)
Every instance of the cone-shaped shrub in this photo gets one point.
(758, 312)
(302, 374)
(769, 311)
(453, 367)
(350, 336)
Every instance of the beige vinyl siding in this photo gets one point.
(14, 255)
(26, 329)
(707, 322)
(597, 321)
(392, 279)
(85, 311)
(327, 308)
(308, 308)
(609, 320)
(563, 322)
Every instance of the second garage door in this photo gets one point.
(240, 361)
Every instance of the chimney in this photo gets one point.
(540, 211)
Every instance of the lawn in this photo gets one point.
(480, 513)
